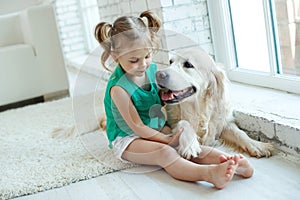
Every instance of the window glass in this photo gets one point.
(288, 27)
(250, 35)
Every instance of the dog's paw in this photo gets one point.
(189, 146)
(259, 149)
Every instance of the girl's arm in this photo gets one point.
(129, 113)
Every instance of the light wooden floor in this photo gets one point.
(275, 178)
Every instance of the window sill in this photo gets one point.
(267, 114)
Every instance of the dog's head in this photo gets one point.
(192, 73)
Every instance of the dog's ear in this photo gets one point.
(220, 76)
(217, 78)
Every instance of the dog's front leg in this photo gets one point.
(189, 146)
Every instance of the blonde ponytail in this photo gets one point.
(103, 35)
(154, 24)
(153, 21)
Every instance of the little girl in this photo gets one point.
(136, 133)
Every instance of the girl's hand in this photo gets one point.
(174, 139)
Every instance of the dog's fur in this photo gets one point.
(194, 76)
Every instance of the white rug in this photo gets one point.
(32, 161)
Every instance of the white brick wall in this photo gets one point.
(70, 28)
(190, 18)
(187, 17)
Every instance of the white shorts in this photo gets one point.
(121, 143)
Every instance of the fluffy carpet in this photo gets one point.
(32, 161)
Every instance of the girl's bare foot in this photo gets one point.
(244, 167)
(221, 174)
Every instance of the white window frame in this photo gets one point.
(224, 49)
(89, 20)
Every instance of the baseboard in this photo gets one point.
(23, 103)
(56, 95)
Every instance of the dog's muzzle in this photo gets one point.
(172, 96)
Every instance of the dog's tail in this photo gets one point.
(102, 122)
(78, 129)
(63, 133)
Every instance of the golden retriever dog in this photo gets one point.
(193, 90)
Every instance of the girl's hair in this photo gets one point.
(146, 25)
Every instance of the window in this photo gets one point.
(90, 18)
(258, 41)
(76, 21)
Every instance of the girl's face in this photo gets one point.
(135, 61)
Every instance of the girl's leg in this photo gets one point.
(209, 155)
(153, 153)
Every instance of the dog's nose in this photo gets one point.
(161, 75)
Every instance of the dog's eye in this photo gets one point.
(187, 64)
(171, 61)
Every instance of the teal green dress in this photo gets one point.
(146, 102)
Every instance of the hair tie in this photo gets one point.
(143, 20)
(112, 27)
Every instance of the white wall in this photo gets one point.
(8, 6)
